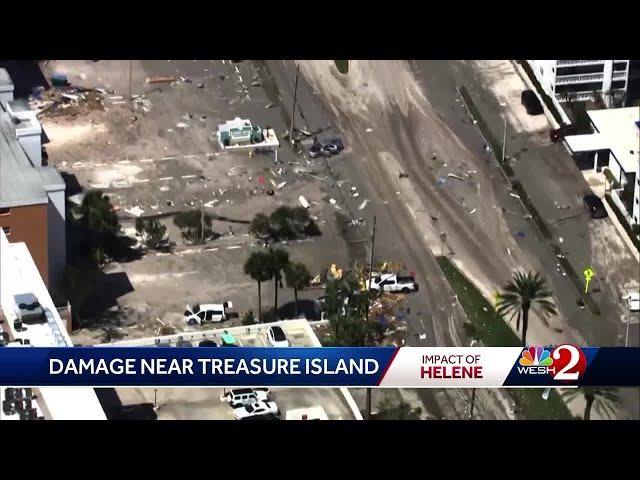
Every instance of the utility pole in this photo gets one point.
(504, 138)
(293, 109)
(130, 79)
(626, 337)
(366, 318)
(202, 221)
(473, 403)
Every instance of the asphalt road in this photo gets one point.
(434, 317)
(435, 312)
(552, 180)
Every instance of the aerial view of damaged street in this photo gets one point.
(271, 203)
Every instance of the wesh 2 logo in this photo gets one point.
(564, 363)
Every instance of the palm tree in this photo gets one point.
(258, 267)
(100, 221)
(525, 291)
(388, 410)
(279, 259)
(297, 277)
(602, 399)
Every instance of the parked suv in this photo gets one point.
(211, 312)
(245, 396)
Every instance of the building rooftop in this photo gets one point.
(20, 182)
(20, 281)
(618, 130)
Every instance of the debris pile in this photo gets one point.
(66, 101)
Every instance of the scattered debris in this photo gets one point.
(201, 85)
(520, 234)
(187, 116)
(332, 201)
(280, 185)
(182, 125)
(403, 175)
(256, 84)
(441, 181)
(135, 211)
(170, 203)
(355, 195)
(515, 195)
(268, 106)
(270, 192)
(363, 204)
(452, 175)
(561, 239)
(473, 211)
(160, 79)
(303, 202)
(368, 130)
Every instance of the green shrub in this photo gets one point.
(191, 225)
(248, 318)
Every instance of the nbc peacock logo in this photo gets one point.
(536, 361)
(536, 356)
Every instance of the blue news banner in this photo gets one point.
(141, 366)
(511, 367)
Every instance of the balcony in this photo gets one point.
(573, 63)
(576, 97)
(581, 78)
(619, 75)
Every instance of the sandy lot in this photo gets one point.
(157, 156)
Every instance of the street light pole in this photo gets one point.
(504, 138)
(293, 109)
(473, 391)
(366, 318)
(626, 337)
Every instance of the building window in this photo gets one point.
(6, 230)
(620, 66)
(582, 69)
(5, 211)
(618, 84)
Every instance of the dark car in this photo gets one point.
(595, 206)
(531, 102)
(316, 150)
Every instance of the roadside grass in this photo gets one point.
(495, 332)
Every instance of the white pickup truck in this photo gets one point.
(392, 282)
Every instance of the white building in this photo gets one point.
(615, 144)
(20, 278)
(579, 79)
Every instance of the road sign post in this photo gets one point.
(588, 275)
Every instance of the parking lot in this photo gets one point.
(157, 155)
(205, 404)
